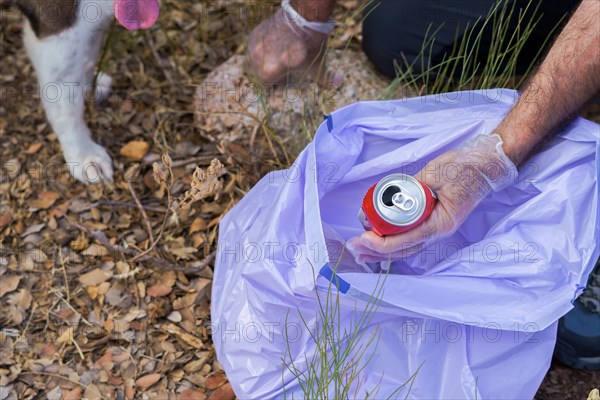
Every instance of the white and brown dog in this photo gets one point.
(63, 40)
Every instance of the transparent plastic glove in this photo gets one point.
(461, 179)
(285, 44)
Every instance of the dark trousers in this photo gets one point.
(394, 31)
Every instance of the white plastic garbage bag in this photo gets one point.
(473, 316)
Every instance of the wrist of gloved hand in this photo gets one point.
(487, 156)
(293, 17)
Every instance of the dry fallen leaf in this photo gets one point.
(74, 394)
(95, 277)
(34, 148)
(225, 392)
(183, 253)
(66, 336)
(197, 225)
(215, 380)
(45, 200)
(146, 381)
(92, 392)
(159, 290)
(9, 284)
(4, 220)
(59, 210)
(136, 149)
(184, 336)
(95, 250)
(33, 229)
(22, 298)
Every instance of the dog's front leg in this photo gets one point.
(60, 62)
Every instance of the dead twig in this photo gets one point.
(121, 204)
(144, 253)
(64, 271)
(200, 160)
(142, 211)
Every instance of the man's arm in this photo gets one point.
(566, 80)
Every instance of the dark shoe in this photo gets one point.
(578, 341)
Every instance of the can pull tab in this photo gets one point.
(404, 201)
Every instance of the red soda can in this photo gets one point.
(396, 204)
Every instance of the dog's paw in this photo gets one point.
(103, 87)
(90, 163)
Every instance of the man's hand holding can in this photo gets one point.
(460, 179)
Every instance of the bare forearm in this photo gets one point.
(314, 10)
(566, 80)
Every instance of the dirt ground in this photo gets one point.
(98, 321)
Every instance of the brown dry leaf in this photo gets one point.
(191, 340)
(95, 277)
(129, 393)
(225, 392)
(34, 148)
(95, 250)
(9, 283)
(80, 243)
(185, 301)
(22, 298)
(20, 227)
(197, 225)
(198, 240)
(211, 208)
(4, 220)
(195, 365)
(215, 380)
(92, 291)
(146, 381)
(33, 229)
(59, 210)
(159, 290)
(74, 394)
(183, 253)
(106, 361)
(168, 278)
(26, 263)
(201, 286)
(136, 149)
(44, 201)
(66, 336)
(92, 392)
(150, 182)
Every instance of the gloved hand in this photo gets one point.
(461, 180)
(286, 43)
